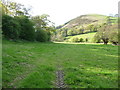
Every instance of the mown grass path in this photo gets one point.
(34, 65)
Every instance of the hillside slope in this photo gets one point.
(88, 36)
(82, 25)
(85, 20)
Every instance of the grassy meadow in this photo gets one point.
(89, 36)
(33, 65)
(37, 52)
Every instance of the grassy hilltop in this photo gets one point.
(85, 20)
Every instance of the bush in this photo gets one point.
(75, 39)
(86, 39)
(18, 28)
(27, 32)
(41, 36)
(81, 40)
(10, 27)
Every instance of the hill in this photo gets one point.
(85, 20)
(82, 25)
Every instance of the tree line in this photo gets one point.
(19, 24)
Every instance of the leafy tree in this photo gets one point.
(97, 38)
(113, 34)
(10, 27)
(90, 27)
(14, 9)
(70, 32)
(16, 23)
(64, 32)
(103, 34)
(27, 30)
(82, 29)
(42, 23)
(86, 39)
(81, 40)
(4, 7)
(108, 33)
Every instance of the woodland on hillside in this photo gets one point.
(19, 24)
(105, 27)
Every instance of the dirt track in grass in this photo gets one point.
(60, 78)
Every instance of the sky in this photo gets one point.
(61, 11)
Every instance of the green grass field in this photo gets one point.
(33, 65)
(90, 37)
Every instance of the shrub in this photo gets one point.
(27, 32)
(41, 36)
(86, 39)
(10, 27)
(81, 40)
(75, 39)
(18, 28)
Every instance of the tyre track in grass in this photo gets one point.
(60, 78)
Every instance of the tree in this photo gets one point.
(108, 33)
(103, 34)
(70, 32)
(113, 34)
(10, 27)
(82, 29)
(41, 36)
(27, 30)
(14, 9)
(42, 23)
(90, 27)
(16, 22)
(4, 7)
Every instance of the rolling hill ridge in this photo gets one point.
(85, 20)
